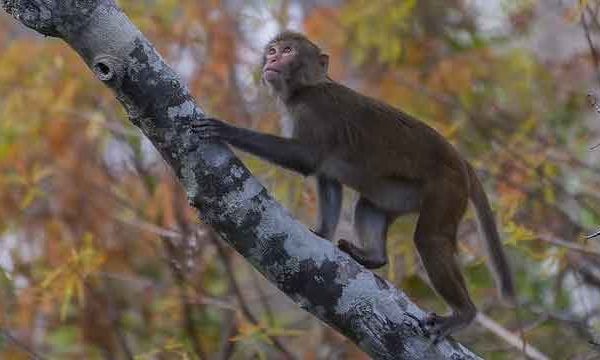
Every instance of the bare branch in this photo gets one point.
(510, 338)
(588, 36)
(5, 333)
(551, 239)
(226, 259)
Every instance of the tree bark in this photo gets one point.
(380, 319)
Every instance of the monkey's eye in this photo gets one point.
(271, 51)
(287, 50)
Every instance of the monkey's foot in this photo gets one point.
(440, 327)
(358, 254)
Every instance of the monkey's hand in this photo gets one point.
(288, 153)
(211, 128)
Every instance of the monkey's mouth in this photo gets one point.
(270, 74)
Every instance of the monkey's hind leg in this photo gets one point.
(330, 204)
(371, 225)
(435, 239)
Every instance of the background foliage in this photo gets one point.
(100, 256)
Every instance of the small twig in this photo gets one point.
(588, 36)
(131, 281)
(263, 299)
(591, 236)
(112, 313)
(214, 302)
(229, 270)
(594, 344)
(17, 343)
(595, 57)
(577, 323)
(509, 337)
(115, 321)
(594, 104)
(168, 236)
(187, 311)
(146, 226)
(187, 230)
(538, 322)
(551, 239)
(229, 331)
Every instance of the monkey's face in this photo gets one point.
(279, 59)
(292, 62)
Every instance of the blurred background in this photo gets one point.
(101, 257)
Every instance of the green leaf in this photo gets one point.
(63, 337)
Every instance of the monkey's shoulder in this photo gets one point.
(334, 101)
(333, 106)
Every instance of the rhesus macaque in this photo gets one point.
(398, 164)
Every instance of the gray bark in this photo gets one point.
(313, 272)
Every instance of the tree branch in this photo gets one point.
(225, 258)
(313, 272)
(5, 333)
(510, 338)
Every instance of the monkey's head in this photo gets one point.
(291, 61)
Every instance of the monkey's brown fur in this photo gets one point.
(397, 163)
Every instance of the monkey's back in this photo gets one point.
(380, 140)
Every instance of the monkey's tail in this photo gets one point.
(487, 228)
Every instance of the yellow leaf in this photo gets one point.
(51, 277)
(29, 197)
(40, 173)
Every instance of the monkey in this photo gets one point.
(398, 165)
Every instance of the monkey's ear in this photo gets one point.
(324, 61)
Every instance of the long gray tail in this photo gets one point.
(487, 228)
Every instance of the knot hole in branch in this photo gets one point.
(105, 68)
(103, 71)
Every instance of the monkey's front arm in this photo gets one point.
(284, 152)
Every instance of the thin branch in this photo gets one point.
(588, 36)
(229, 270)
(591, 236)
(551, 239)
(214, 302)
(121, 337)
(536, 323)
(175, 264)
(227, 347)
(113, 314)
(577, 323)
(20, 345)
(187, 310)
(581, 265)
(509, 337)
(147, 226)
(263, 299)
(168, 237)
